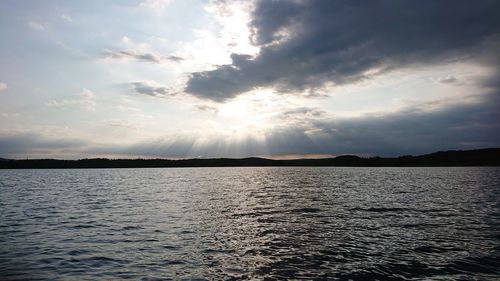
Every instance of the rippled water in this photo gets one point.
(232, 223)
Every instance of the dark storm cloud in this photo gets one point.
(220, 84)
(147, 57)
(305, 44)
(145, 88)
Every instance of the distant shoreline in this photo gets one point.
(477, 157)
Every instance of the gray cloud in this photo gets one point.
(208, 108)
(146, 57)
(174, 58)
(35, 144)
(304, 111)
(413, 130)
(305, 44)
(152, 89)
(448, 79)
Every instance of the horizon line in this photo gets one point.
(273, 158)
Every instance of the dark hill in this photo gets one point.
(478, 157)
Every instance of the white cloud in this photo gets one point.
(125, 40)
(85, 100)
(66, 18)
(212, 47)
(3, 86)
(87, 94)
(234, 18)
(36, 26)
(121, 124)
(155, 5)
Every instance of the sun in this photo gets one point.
(240, 109)
(250, 112)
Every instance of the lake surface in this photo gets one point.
(255, 223)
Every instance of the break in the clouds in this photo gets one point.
(213, 78)
(308, 44)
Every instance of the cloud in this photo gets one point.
(174, 58)
(85, 100)
(3, 86)
(148, 57)
(448, 79)
(305, 45)
(120, 124)
(140, 56)
(66, 18)
(156, 5)
(207, 108)
(36, 26)
(125, 40)
(25, 144)
(304, 112)
(304, 130)
(153, 89)
(307, 130)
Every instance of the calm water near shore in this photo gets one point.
(235, 223)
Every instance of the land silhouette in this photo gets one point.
(478, 157)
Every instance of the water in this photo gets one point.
(255, 223)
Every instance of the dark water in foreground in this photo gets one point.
(224, 223)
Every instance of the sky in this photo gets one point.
(279, 79)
